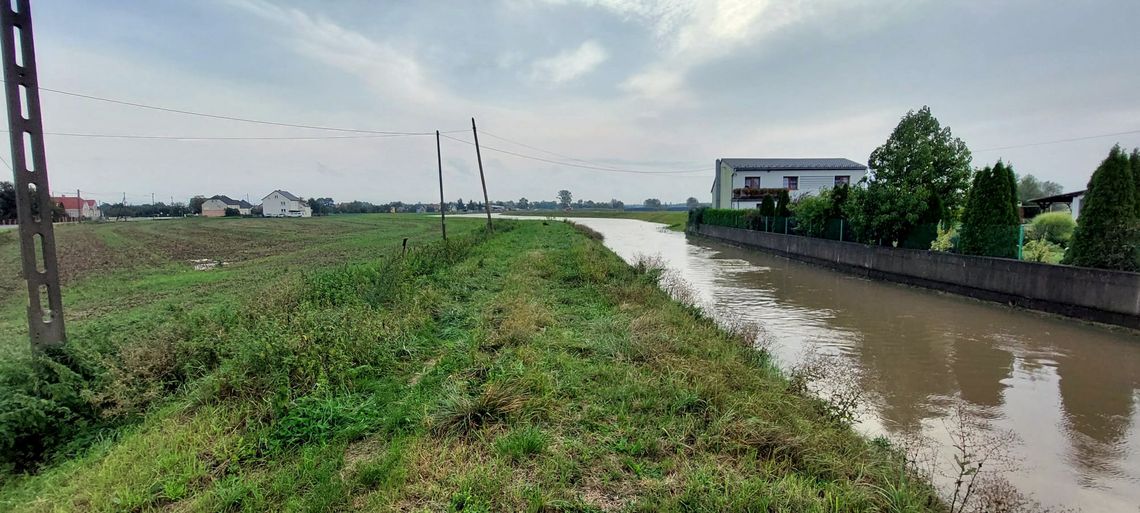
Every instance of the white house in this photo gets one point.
(77, 207)
(743, 183)
(216, 206)
(283, 204)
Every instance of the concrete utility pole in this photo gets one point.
(26, 133)
(479, 157)
(442, 205)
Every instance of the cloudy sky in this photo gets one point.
(659, 87)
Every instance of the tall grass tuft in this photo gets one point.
(462, 412)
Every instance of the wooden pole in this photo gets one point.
(442, 205)
(482, 180)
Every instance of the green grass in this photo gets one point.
(531, 370)
(673, 220)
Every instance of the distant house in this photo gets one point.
(281, 203)
(1072, 199)
(743, 183)
(77, 207)
(216, 206)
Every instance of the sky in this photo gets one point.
(651, 90)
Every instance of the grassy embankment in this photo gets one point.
(674, 220)
(529, 371)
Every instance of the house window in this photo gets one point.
(792, 183)
(752, 182)
(843, 180)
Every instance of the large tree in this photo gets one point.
(990, 220)
(924, 157)
(1106, 234)
(564, 198)
(523, 203)
(692, 202)
(653, 203)
(1029, 187)
(196, 204)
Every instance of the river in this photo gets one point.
(1069, 390)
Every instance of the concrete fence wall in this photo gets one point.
(1098, 295)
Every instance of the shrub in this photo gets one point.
(768, 206)
(812, 213)
(947, 239)
(1106, 232)
(1055, 227)
(1041, 250)
(731, 218)
(232, 212)
(783, 200)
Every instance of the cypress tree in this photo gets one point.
(989, 222)
(1135, 160)
(782, 202)
(1107, 227)
(767, 206)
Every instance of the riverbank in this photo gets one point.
(532, 370)
(674, 220)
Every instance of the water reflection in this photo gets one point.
(1068, 389)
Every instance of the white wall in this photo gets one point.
(812, 181)
(276, 205)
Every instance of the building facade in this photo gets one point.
(743, 183)
(284, 204)
(77, 207)
(216, 206)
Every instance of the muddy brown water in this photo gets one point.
(1069, 390)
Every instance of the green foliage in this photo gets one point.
(232, 212)
(692, 202)
(196, 204)
(732, 218)
(812, 213)
(1029, 187)
(1106, 234)
(565, 198)
(924, 158)
(947, 239)
(1134, 160)
(1042, 250)
(885, 214)
(768, 206)
(1055, 227)
(7, 201)
(521, 443)
(41, 407)
(783, 200)
(653, 203)
(990, 221)
(838, 196)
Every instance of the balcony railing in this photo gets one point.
(753, 193)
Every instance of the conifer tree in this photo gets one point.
(1135, 161)
(990, 220)
(767, 206)
(782, 202)
(1106, 234)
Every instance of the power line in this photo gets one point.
(568, 164)
(1058, 141)
(221, 138)
(556, 154)
(228, 118)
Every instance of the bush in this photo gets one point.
(812, 213)
(232, 212)
(947, 240)
(731, 218)
(1041, 250)
(1055, 227)
(768, 206)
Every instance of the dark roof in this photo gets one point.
(1059, 198)
(244, 204)
(225, 199)
(793, 164)
(287, 195)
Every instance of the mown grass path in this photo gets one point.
(529, 371)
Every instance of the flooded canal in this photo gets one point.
(1067, 389)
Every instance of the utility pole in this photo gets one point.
(482, 180)
(25, 126)
(79, 207)
(442, 205)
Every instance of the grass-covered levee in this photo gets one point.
(526, 370)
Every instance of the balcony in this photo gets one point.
(753, 194)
